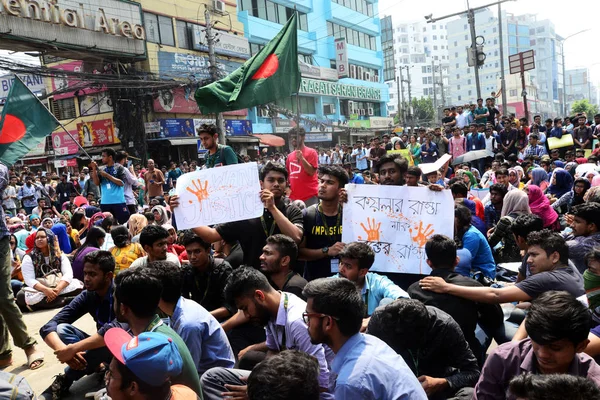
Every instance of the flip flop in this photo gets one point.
(35, 357)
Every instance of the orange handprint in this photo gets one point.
(422, 234)
(373, 230)
(200, 192)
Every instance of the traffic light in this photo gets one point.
(480, 55)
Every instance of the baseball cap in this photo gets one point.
(151, 356)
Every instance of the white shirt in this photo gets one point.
(29, 271)
(324, 159)
(462, 120)
(491, 143)
(143, 261)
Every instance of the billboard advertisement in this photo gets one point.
(238, 127)
(65, 82)
(97, 133)
(181, 100)
(63, 144)
(177, 127)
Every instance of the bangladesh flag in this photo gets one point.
(25, 122)
(269, 75)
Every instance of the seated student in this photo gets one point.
(205, 277)
(553, 387)
(289, 375)
(143, 367)
(201, 332)
(154, 242)
(521, 227)
(441, 257)
(474, 241)
(281, 314)
(68, 341)
(124, 251)
(355, 260)
(365, 367)
(548, 257)
(558, 327)
(137, 295)
(431, 343)
(278, 261)
(586, 233)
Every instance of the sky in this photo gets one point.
(579, 50)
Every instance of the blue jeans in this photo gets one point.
(69, 335)
(16, 286)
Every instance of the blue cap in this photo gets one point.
(151, 356)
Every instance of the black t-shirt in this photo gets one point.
(207, 289)
(448, 119)
(251, 234)
(321, 231)
(563, 278)
(493, 112)
(294, 284)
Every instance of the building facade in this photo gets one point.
(579, 87)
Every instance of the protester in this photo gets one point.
(93, 242)
(301, 165)
(153, 240)
(124, 252)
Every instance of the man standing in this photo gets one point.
(154, 180)
(508, 138)
(534, 149)
(130, 183)
(322, 240)
(462, 119)
(492, 111)
(582, 135)
(64, 189)
(360, 155)
(365, 367)
(278, 261)
(481, 113)
(110, 178)
(175, 173)
(302, 165)
(324, 158)
(218, 155)
(377, 151)
(10, 315)
(441, 141)
(27, 194)
(449, 121)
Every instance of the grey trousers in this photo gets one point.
(11, 318)
(214, 380)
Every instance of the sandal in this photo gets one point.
(35, 357)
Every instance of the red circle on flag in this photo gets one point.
(268, 67)
(13, 130)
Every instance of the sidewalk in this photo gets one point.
(42, 377)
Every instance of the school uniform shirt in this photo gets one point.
(361, 164)
(376, 288)
(109, 192)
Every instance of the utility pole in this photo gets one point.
(402, 94)
(410, 116)
(502, 80)
(212, 61)
(564, 79)
(435, 105)
(398, 95)
(442, 87)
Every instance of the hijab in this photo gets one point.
(60, 230)
(538, 175)
(577, 200)
(564, 183)
(164, 218)
(559, 164)
(473, 181)
(515, 201)
(514, 180)
(136, 223)
(520, 172)
(38, 258)
(540, 205)
(596, 181)
(475, 220)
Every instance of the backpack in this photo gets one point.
(15, 387)
(240, 159)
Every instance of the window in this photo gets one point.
(494, 30)
(433, 27)
(495, 53)
(354, 37)
(64, 108)
(456, 65)
(470, 91)
(424, 70)
(455, 43)
(307, 104)
(457, 87)
(457, 76)
(424, 80)
(159, 29)
(184, 34)
(270, 11)
(466, 37)
(513, 92)
(434, 37)
(435, 47)
(459, 98)
(468, 82)
(456, 56)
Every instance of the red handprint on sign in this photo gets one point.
(422, 235)
(200, 192)
(373, 233)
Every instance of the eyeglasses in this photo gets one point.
(307, 315)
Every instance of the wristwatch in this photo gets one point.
(325, 250)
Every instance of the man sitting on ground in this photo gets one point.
(153, 239)
(586, 233)
(278, 261)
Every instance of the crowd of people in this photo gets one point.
(279, 307)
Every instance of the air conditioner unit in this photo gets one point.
(361, 111)
(367, 76)
(359, 73)
(353, 71)
(328, 109)
(219, 6)
(263, 112)
(370, 111)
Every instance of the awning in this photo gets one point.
(270, 140)
(242, 139)
(183, 142)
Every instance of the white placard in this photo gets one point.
(218, 195)
(397, 221)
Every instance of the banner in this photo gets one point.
(97, 133)
(63, 144)
(181, 100)
(177, 127)
(238, 127)
(218, 195)
(564, 141)
(65, 82)
(397, 221)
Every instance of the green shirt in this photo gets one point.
(189, 374)
(223, 156)
(480, 111)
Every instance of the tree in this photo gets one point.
(423, 111)
(584, 106)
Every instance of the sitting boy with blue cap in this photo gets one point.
(142, 367)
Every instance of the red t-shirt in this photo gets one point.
(303, 186)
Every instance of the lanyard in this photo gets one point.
(285, 307)
(337, 223)
(415, 361)
(287, 279)
(205, 290)
(264, 226)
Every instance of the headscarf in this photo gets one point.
(136, 223)
(164, 218)
(596, 181)
(475, 220)
(37, 257)
(593, 194)
(47, 219)
(515, 201)
(559, 164)
(67, 214)
(30, 241)
(564, 183)
(60, 230)
(473, 181)
(520, 171)
(538, 175)
(517, 179)
(540, 205)
(33, 216)
(577, 200)
(571, 167)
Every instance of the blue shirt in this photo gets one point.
(376, 288)
(357, 178)
(289, 332)
(367, 368)
(432, 153)
(361, 164)
(476, 141)
(28, 191)
(556, 132)
(203, 335)
(111, 193)
(480, 250)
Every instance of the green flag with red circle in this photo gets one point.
(271, 74)
(25, 122)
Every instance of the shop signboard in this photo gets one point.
(63, 144)
(65, 81)
(227, 44)
(190, 66)
(181, 101)
(325, 88)
(35, 83)
(177, 127)
(97, 133)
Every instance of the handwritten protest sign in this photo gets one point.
(218, 195)
(397, 221)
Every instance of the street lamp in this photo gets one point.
(562, 51)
